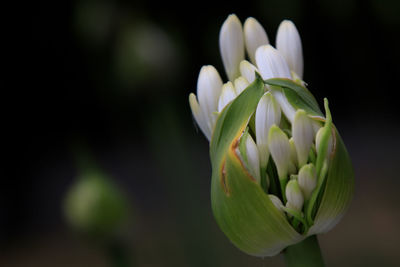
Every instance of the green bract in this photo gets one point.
(241, 204)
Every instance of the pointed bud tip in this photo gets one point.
(287, 23)
(276, 201)
(240, 84)
(228, 93)
(232, 18)
(248, 70)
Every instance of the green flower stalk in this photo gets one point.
(280, 171)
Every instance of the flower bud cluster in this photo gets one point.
(213, 95)
(281, 146)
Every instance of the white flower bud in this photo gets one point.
(252, 158)
(240, 84)
(271, 63)
(209, 86)
(227, 95)
(288, 44)
(303, 136)
(254, 36)
(231, 45)
(276, 201)
(267, 114)
(198, 116)
(294, 195)
(279, 147)
(307, 179)
(248, 71)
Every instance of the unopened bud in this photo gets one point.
(240, 84)
(248, 71)
(255, 36)
(231, 45)
(268, 113)
(95, 206)
(289, 44)
(228, 93)
(279, 147)
(307, 179)
(294, 195)
(302, 131)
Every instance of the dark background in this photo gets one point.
(114, 77)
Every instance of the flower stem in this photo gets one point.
(304, 254)
(119, 255)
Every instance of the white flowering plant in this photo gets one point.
(281, 173)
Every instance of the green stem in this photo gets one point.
(304, 254)
(119, 255)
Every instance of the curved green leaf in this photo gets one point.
(338, 190)
(298, 96)
(233, 117)
(241, 208)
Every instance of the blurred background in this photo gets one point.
(112, 79)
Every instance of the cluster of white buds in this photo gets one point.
(289, 147)
(286, 62)
(280, 143)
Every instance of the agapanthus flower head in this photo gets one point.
(95, 206)
(280, 169)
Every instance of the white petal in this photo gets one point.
(240, 84)
(198, 115)
(307, 179)
(286, 107)
(267, 114)
(248, 71)
(208, 91)
(254, 36)
(289, 45)
(303, 135)
(252, 158)
(231, 45)
(294, 195)
(279, 147)
(271, 63)
(227, 95)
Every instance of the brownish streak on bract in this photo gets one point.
(232, 149)
(234, 145)
(333, 142)
(317, 118)
(223, 178)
